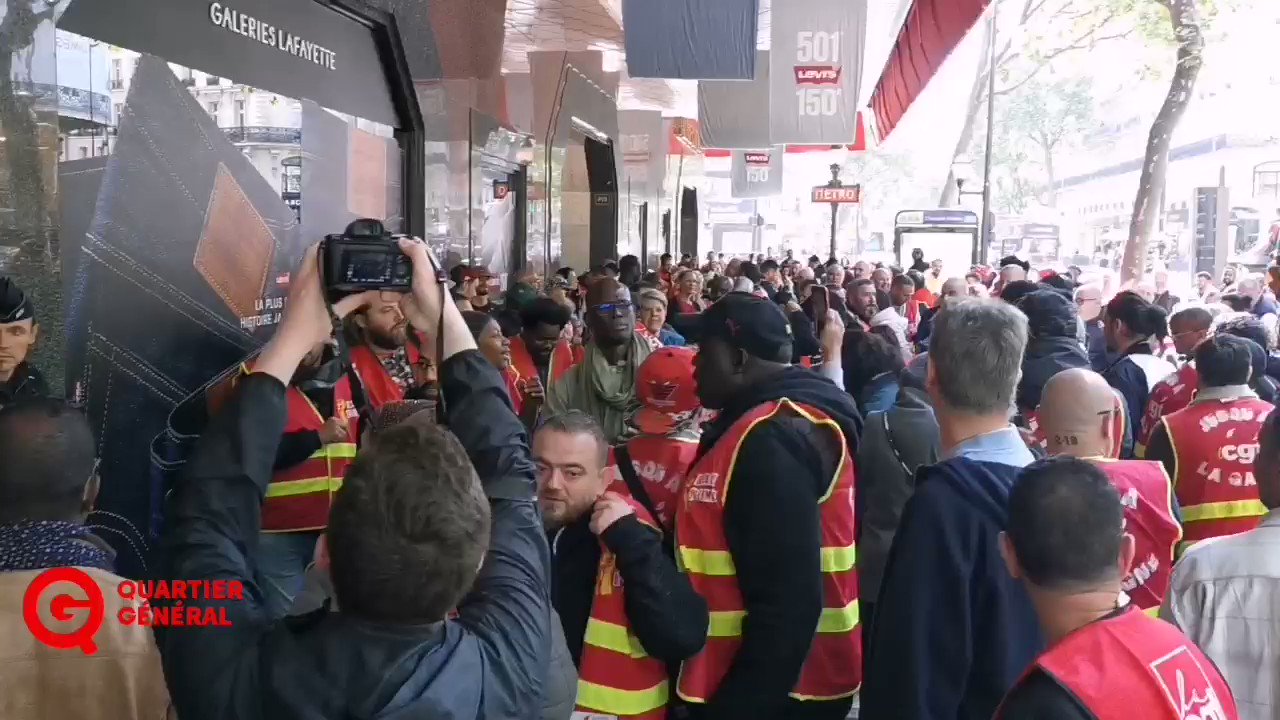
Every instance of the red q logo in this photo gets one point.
(62, 607)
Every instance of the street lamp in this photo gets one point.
(962, 171)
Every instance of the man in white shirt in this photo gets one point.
(1225, 595)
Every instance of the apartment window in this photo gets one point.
(84, 151)
(213, 108)
(212, 80)
(117, 75)
(1266, 180)
(240, 112)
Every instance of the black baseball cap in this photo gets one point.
(752, 324)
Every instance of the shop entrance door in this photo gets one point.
(498, 223)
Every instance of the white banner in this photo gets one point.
(815, 69)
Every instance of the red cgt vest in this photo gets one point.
(833, 668)
(379, 388)
(1133, 667)
(1147, 495)
(617, 678)
(563, 357)
(298, 498)
(1168, 396)
(660, 463)
(1215, 442)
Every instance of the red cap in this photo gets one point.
(666, 390)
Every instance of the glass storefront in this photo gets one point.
(158, 186)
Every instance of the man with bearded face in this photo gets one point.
(318, 444)
(603, 385)
(390, 366)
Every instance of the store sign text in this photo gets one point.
(268, 34)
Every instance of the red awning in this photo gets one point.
(859, 143)
(933, 29)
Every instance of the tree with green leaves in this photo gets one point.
(1032, 36)
(1184, 18)
(1039, 120)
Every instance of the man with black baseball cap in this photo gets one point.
(18, 334)
(766, 523)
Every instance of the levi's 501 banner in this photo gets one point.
(815, 69)
(756, 173)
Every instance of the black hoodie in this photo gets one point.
(773, 531)
(953, 630)
(1046, 357)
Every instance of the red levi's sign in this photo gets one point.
(756, 158)
(817, 75)
(849, 194)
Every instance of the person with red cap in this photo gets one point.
(653, 463)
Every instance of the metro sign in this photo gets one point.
(817, 74)
(846, 194)
(756, 158)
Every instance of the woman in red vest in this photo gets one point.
(1102, 661)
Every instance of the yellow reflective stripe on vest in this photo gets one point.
(307, 486)
(617, 638)
(338, 450)
(1152, 612)
(622, 702)
(728, 623)
(720, 562)
(1223, 510)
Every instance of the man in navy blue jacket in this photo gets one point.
(423, 630)
(952, 631)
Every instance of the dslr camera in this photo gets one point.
(366, 257)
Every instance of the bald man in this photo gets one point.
(953, 287)
(1076, 413)
(1189, 328)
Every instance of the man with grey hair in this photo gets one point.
(952, 631)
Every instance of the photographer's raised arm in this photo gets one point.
(214, 512)
(508, 607)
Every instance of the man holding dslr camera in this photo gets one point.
(411, 538)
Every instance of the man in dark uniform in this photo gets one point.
(18, 334)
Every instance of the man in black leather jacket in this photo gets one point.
(408, 530)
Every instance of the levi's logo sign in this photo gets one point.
(756, 158)
(817, 75)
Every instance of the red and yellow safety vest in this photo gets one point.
(616, 677)
(661, 463)
(1133, 667)
(1168, 396)
(380, 389)
(299, 498)
(833, 668)
(1147, 495)
(1214, 443)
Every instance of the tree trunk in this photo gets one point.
(1185, 18)
(977, 96)
(1051, 193)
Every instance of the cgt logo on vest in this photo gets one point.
(703, 488)
(64, 608)
(1187, 687)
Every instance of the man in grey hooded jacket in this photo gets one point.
(895, 443)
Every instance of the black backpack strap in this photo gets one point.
(628, 472)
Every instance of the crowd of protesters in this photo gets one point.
(757, 487)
